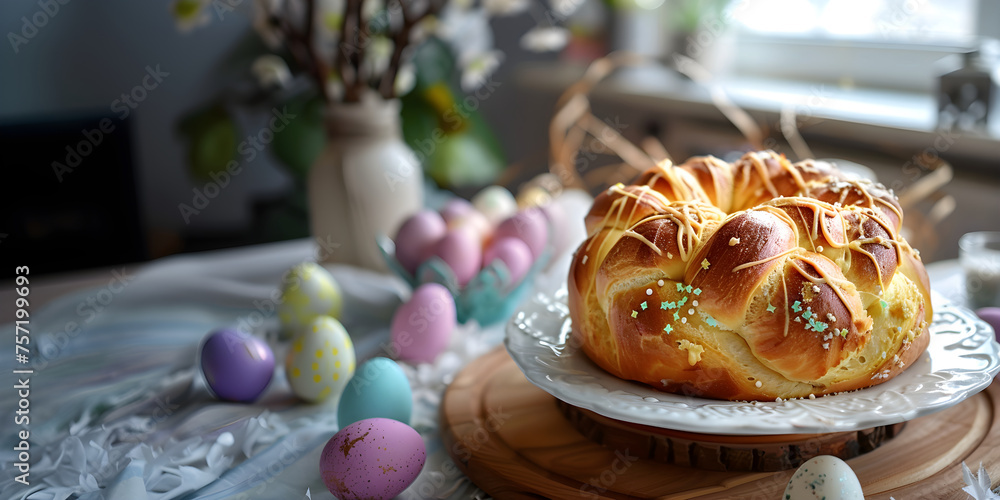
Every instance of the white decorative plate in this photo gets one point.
(962, 360)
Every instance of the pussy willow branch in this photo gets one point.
(350, 54)
(359, 54)
(302, 45)
(401, 39)
(349, 29)
(318, 67)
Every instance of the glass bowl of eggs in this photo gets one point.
(483, 252)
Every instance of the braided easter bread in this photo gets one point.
(756, 280)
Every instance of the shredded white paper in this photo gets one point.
(979, 485)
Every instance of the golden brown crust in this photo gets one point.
(796, 295)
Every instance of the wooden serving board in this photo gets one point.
(724, 453)
(515, 441)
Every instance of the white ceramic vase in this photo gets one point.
(364, 183)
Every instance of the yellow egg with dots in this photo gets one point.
(307, 291)
(320, 361)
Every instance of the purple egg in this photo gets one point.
(372, 458)
(417, 237)
(421, 328)
(237, 366)
(991, 315)
(462, 250)
(455, 209)
(514, 253)
(529, 226)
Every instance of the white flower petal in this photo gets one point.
(466, 31)
(506, 7)
(406, 78)
(544, 39)
(477, 68)
(565, 8)
(271, 71)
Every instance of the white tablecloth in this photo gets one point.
(119, 409)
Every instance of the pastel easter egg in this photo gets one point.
(826, 477)
(236, 365)
(475, 223)
(455, 209)
(421, 328)
(417, 237)
(495, 202)
(308, 290)
(462, 251)
(379, 388)
(529, 226)
(376, 458)
(533, 196)
(321, 360)
(515, 255)
(559, 225)
(991, 315)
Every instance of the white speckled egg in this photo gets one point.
(321, 360)
(826, 477)
(496, 203)
(307, 291)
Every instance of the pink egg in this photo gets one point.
(558, 225)
(416, 238)
(421, 328)
(462, 250)
(474, 222)
(529, 226)
(372, 458)
(455, 209)
(514, 253)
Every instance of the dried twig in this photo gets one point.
(736, 115)
(301, 44)
(318, 68)
(359, 50)
(791, 132)
(349, 28)
(401, 39)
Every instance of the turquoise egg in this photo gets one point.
(379, 389)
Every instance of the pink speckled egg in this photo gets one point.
(529, 226)
(421, 328)
(372, 458)
(417, 236)
(514, 253)
(462, 250)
